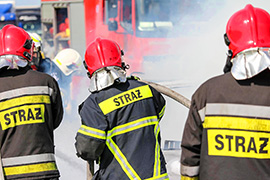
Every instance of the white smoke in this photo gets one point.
(200, 56)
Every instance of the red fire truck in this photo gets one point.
(149, 31)
(145, 29)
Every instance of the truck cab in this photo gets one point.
(7, 13)
(28, 18)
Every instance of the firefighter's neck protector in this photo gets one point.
(250, 62)
(106, 77)
(12, 61)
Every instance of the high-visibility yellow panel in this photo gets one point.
(125, 98)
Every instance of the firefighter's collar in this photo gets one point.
(106, 77)
(250, 62)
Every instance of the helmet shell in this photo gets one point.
(248, 28)
(102, 53)
(68, 60)
(15, 41)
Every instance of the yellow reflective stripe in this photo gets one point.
(160, 177)
(122, 160)
(121, 129)
(157, 153)
(119, 156)
(237, 123)
(34, 168)
(189, 178)
(161, 113)
(89, 131)
(58, 61)
(24, 100)
(125, 98)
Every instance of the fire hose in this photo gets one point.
(170, 93)
(160, 88)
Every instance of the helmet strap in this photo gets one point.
(86, 67)
(125, 66)
(228, 65)
(27, 55)
(227, 40)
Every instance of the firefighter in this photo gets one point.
(66, 64)
(63, 67)
(226, 135)
(38, 54)
(120, 119)
(30, 109)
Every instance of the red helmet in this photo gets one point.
(248, 28)
(15, 41)
(102, 53)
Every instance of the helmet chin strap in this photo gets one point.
(125, 66)
(27, 55)
(228, 65)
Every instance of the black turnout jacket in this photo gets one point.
(120, 128)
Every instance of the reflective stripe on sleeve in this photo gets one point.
(26, 91)
(161, 113)
(190, 171)
(92, 132)
(28, 159)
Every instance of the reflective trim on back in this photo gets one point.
(120, 157)
(27, 169)
(19, 101)
(122, 160)
(26, 91)
(237, 130)
(235, 110)
(29, 164)
(157, 153)
(226, 122)
(23, 110)
(121, 129)
(125, 98)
